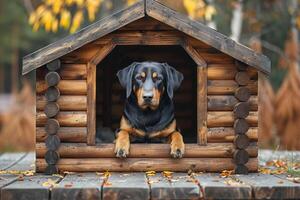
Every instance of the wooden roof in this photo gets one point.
(137, 11)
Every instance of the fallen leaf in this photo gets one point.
(167, 173)
(150, 173)
(226, 173)
(20, 178)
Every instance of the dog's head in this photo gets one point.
(149, 81)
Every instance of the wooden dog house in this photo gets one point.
(77, 94)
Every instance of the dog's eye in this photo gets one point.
(139, 78)
(158, 78)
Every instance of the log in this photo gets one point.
(241, 110)
(65, 103)
(226, 119)
(68, 119)
(241, 66)
(241, 169)
(226, 72)
(227, 103)
(225, 134)
(52, 79)
(65, 134)
(52, 142)
(241, 141)
(51, 126)
(54, 65)
(201, 105)
(242, 94)
(51, 109)
(242, 78)
(142, 164)
(52, 93)
(73, 87)
(228, 87)
(82, 150)
(73, 72)
(51, 157)
(51, 169)
(240, 157)
(241, 126)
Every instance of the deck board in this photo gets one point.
(78, 186)
(6, 179)
(140, 186)
(270, 187)
(132, 186)
(25, 163)
(29, 188)
(8, 160)
(179, 186)
(216, 187)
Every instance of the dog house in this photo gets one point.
(79, 102)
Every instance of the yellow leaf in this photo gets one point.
(54, 25)
(150, 173)
(78, 17)
(65, 19)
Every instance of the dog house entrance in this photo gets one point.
(110, 96)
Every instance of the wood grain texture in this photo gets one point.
(82, 37)
(202, 105)
(91, 103)
(226, 134)
(241, 110)
(51, 109)
(228, 102)
(207, 35)
(242, 78)
(51, 169)
(126, 186)
(241, 126)
(142, 164)
(82, 150)
(144, 38)
(65, 134)
(241, 141)
(52, 78)
(65, 102)
(226, 119)
(52, 93)
(228, 87)
(241, 169)
(28, 189)
(227, 72)
(242, 94)
(67, 119)
(240, 157)
(54, 65)
(182, 188)
(78, 186)
(270, 187)
(72, 87)
(215, 187)
(52, 142)
(51, 157)
(51, 126)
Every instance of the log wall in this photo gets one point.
(223, 96)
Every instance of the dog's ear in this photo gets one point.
(125, 77)
(174, 79)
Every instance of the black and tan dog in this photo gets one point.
(149, 110)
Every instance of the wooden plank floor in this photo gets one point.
(14, 184)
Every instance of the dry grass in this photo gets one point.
(17, 132)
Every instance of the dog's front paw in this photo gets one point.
(121, 153)
(177, 153)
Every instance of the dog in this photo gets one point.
(149, 109)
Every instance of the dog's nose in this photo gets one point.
(147, 98)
